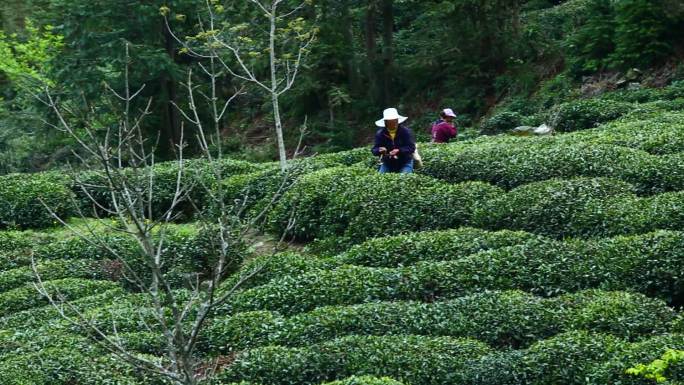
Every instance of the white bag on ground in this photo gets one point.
(417, 159)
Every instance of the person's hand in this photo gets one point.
(382, 150)
(394, 152)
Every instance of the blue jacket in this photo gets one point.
(403, 141)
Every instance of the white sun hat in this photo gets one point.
(390, 114)
(449, 112)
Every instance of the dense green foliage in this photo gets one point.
(505, 260)
(27, 202)
(648, 264)
(501, 319)
(412, 359)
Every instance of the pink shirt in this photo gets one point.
(443, 131)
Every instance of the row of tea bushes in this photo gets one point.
(395, 251)
(410, 359)
(583, 114)
(509, 166)
(586, 113)
(25, 198)
(649, 264)
(27, 297)
(570, 358)
(357, 205)
(502, 319)
(186, 249)
(408, 249)
(49, 356)
(369, 205)
(573, 358)
(37, 317)
(52, 270)
(582, 207)
(659, 134)
(198, 176)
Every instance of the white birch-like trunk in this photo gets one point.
(274, 91)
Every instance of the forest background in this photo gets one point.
(493, 61)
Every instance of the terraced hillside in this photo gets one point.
(505, 260)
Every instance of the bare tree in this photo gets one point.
(127, 164)
(288, 39)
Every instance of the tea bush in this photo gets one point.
(353, 380)
(501, 122)
(52, 270)
(366, 380)
(27, 296)
(416, 360)
(565, 208)
(575, 357)
(429, 246)
(186, 249)
(659, 134)
(25, 199)
(614, 370)
(274, 266)
(648, 264)
(250, 194)
(510, 166)
(586, 113)
(567, 358)
(372, 205)
(197, 175)
(35, 318)
(501, 319)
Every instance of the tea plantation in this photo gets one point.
(504, 260)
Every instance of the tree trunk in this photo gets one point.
(274, 92)
(348, 33)
(387, 50)
(171, 119)
(371, 49)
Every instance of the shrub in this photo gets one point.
(586, 113)
(309, 197)
(13, 241)
(565, 208)
(27, 296)
(509, 166)
(52, 270)
(614, 370)
(412, 359)
(660, 134)
(373, 205)
(622, 314)
(429, 246)
(639, 95)
(65, 365)
(501, 122)
(186, 249)
(251, 193)
(366, 380)
(502, 319)
(35, 318)
(198, 174)
(648, 264)
(569, 358)
(282, 264)
(23, 200)
(361, 156)
(667, 210)
(353, 380)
